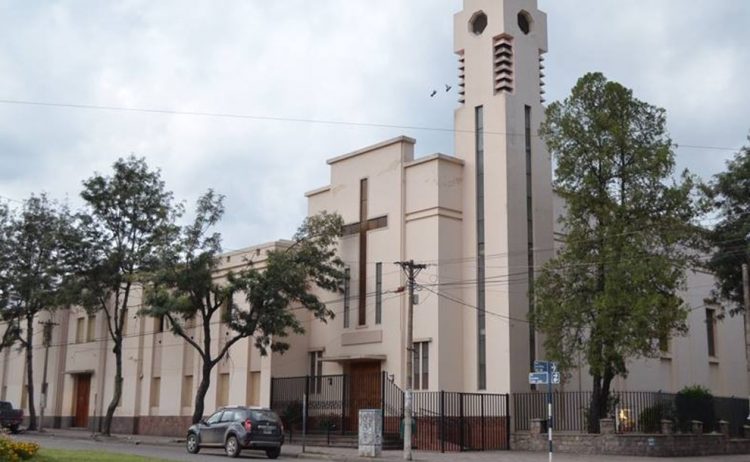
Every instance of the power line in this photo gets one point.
(228, 115)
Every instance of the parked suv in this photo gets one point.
(9, 417)
(236, 428)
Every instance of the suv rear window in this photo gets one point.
(263, 415)
(5, 406)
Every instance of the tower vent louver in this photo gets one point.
(502, 47)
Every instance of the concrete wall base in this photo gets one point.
(656, 445)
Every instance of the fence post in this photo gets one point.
(304, 411)
(507, 421)
(481, 405)
(343, 402)
(461, 419)
(442, 420)
(383, 377)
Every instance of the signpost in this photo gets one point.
(545, 372)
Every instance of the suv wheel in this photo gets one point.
(232, 446)
(273, 453)
(192, 444)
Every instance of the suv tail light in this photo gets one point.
(248, 425)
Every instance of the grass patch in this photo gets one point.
(60, 455)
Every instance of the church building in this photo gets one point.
(482, 222)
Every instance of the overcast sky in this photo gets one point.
(360, 61)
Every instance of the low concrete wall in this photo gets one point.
(632, 444)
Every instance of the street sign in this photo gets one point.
(555, 377)
(545, 366)
(538, 378)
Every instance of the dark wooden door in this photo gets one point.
(83, 390)
(364, 390)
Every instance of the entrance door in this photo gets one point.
(364, 390)
(82, 392)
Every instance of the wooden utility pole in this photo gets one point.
(46, 340)
(411, 269)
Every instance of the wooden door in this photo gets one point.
(82, 391)
(364, 390)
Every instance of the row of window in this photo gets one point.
(187, 392)
(420, 368)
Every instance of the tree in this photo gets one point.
(9, 334)
(729, 193)
(611, 293)
(129, 221)
(188, 288)
(36, 240)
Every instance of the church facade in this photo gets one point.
(480, 220)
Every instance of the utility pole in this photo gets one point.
(46, 340)
(411, 269)
(746, 297)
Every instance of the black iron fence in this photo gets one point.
(639, 412)
(443, 421)
(451, 421)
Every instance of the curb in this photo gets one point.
(85, 436)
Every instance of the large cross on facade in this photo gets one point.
(362, 227)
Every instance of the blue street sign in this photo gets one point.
(540, 366)
(538, 378)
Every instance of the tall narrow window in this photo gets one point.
(186, 393)
(711, 332)
(421, 365)
(91, 328)
(222, 389)
(125, 322)
(155, 396)
(530, 231)
(481, 340)
(378, 293)
(316, 371)
(347, 293)
(80, 330)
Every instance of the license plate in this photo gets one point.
(267, 431)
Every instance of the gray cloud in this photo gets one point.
(347, 60)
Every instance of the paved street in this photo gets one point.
(170, 449)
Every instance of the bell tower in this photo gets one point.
(507, 220)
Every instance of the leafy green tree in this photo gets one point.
(189, 293)
(128, 223)
(36, 240)
(10, 324)
(729, 193)
(611, 293)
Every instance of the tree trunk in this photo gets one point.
(200, 394)
(598, 407)
(30, 371)
(117, 350)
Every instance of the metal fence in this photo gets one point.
(636, 412)
(444, 421)
(451, 421)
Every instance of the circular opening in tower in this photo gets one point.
(524, 22)
(478, 23)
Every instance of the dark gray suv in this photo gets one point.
(236, 428)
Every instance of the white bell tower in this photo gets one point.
(507, 219)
